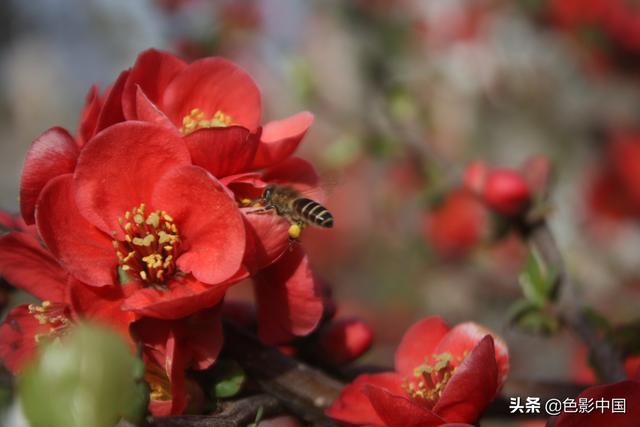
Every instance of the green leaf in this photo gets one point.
(537, 280)
(228, 378)
(85, 378)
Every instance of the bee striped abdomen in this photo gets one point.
(313, 212)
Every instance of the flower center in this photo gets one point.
(196, 120)
(431, 378)
(55, 315)
(150, 246)
(159, 383)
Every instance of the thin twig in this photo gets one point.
(571, 310)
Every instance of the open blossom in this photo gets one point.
(207, 115)
(65, 300)
(441, 376)
(136, 204)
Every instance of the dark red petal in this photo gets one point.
(52, 154)
(89, 115)
(267, 239)
(17, 337)
(199, 336)
(111, 112)
(399, 411)
(147, 111)
(212, 85)
(103, 304)
(465, 336)
(202, 333)
(27, 265)
(353, 406)
(79, 247)
(183, 297)
(222, 151)
(209, 222)
(295, 172)
(281, 138)
(418, 343)
(289, 299)
(628, 390)
(152, 72)
(473, 385)
(119, 168)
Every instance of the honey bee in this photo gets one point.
(299, 210)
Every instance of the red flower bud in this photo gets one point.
(345, 340)
(507, 192)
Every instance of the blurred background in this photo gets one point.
(405, 94)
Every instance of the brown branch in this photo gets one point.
(571, 310)
(239, 413)
(303, 390)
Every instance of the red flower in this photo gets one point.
(345, 340)
(457, 225)
(613, 192)
(441, 376)
(628, 390)
(65, 300)
(170, 347)
(135, 203)
(216, 106)
(506, 191)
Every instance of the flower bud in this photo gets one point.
(86, 378)
(507, 192)
(345, 340)
(475, 176)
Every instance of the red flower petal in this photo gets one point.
(152, 72)
(222, 151)
(199, 336)
(89, 115)
(147, 111)
(103, 304)
(52, 154)
(80, 248)
(17, 337)
(288, 298)
(473, 385)
(419, 342)
(183, 296)
(120, 167)
(465, 336)
(281, 138)
(267, 239)
(628, 390)
(354, 407)
(27, 265)
(294, 172)
(212, 85)
(111, 112)
(397, 411)
(171, 361)
(209, 222)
